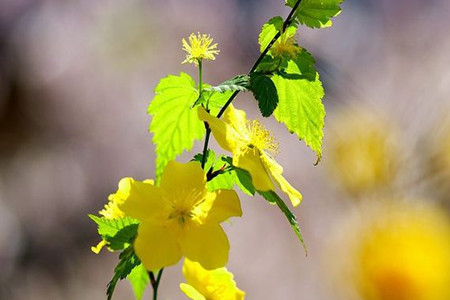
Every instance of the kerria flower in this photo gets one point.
(200, 47)
(217, 284)
(253, 148)
(286, 47)
(393, 251)
(179, 217)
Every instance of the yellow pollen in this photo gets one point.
(184, 206)
(261, 138)
(199, 47)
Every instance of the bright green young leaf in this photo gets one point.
(273, 197)
(210, 159)
(119, 233)
(265, 93)
(139, 280)
(270, 30)
(230, 176)
(108, 228)
(316, 13)
(215, 100)
(127, 261)
(300, 105)
(175, 125)
(306, 67)
(238, 83)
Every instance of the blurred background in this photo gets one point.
(76, 78)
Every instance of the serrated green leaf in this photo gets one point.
(175, 125)
(273, 197)
(139, 280)
(238, 83)
(127, 261)
(265, 93)
(270, 29)
(316, 13)
(306, 67)
(119, 233)
(300, 107)
(108, 228)
(210, 159)
(123, 238)
(214, 100)
(269, 64)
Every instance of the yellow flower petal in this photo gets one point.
(99, 246)
(250, 160)
(143, 199)
(191, 292)
(224, 206)
(275, 170)
(236, 118)
(182, 177)
(157, 246)
(216, 284)
(240, 295)
(207, 244)
(222, 133)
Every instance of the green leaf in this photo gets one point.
(300, 105)
(306, 67)
(210, 159)
(265, 93)
(316, 13)
(127, 261)
(175, 125)
(268, 64)
(273, 197)
(107, 227)
(270, 29)
(230, 177)
(139, 280)
(119, 233)
(237, 83)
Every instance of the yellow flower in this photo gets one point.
(180, 217)
(286, 47)
(363, 152)
(252, 146)
(199, 47)
(202, 284)
(394, 251)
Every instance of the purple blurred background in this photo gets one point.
(75, 81)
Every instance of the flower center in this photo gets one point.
(184, 206)
(261, 138)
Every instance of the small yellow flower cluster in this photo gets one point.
(286, 47)
(200, 47)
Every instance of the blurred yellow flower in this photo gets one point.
(217, 284)
(252, 146)
(179, 217)
(361, 152)
(394, 251)
(286, 47)
(199, 47)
